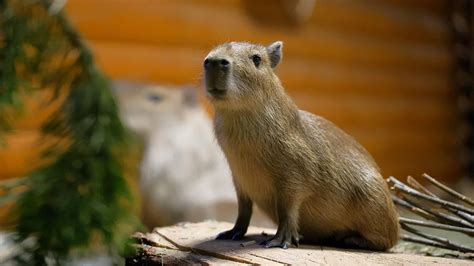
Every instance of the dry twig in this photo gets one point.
(415, 184)
(448, 244)
(464, 216)
(442, 217)
(400, 202)
(467, 231)
(408, 190)
(424, 241)
(449, 190)
(422, 202)
(412, 182)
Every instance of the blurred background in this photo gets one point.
(381, 70)
(391, 73)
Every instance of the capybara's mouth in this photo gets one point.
(216, 93)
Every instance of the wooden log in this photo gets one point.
(176, 24)
(199, 238)
(439, 7)
(366, 111)
(377, 18)
(183, 65)
(150, 255)
(384, 20)
(284, 13)
(397, 154)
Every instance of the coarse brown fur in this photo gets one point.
(306, 174)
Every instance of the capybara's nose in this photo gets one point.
(216, 63)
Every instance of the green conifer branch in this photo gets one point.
(81, 193)
(9, 50)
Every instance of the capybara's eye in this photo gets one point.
(256, 60)
(154, 98)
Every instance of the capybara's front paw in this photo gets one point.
(233, 234)
(282, 239)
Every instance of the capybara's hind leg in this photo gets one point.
(359, 242)
(351, 239)
(372, 240)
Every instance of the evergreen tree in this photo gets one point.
(80, 194)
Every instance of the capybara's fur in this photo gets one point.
(306, 174)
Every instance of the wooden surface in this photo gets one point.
(194, 243)
(381, 70)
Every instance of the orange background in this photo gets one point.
(381, 70)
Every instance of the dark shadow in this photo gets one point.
(227, 245)
(221, 247)
(218, 248)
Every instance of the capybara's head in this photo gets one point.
(240, 74)
(145, 108)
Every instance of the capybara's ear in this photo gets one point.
(275, 53)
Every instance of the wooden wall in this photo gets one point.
(381, 70)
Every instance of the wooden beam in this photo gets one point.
(384, 20)
(174, 24)
(183, 65)
(199, 239)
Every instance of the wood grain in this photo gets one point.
(199, 239)
(381, 70)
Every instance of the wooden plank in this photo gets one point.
(376, 19)
(199, 238)
(414, 146)
(362, 15)
(401, 152)
(438, 7)
(390, 129)
(203, 242)
(150, 255)
(320, 76)
(149, 63)
(398, 99)
(379, 112)
(416, 162)
(410, 147)
(447, 167)
(153, 27)
(181, 65)
(405, 139)
(153, 239)
(434, 6)
(380, 19)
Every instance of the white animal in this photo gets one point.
(184, 175)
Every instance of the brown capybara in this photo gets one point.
(306, 174)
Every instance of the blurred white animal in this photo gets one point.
(184, 175)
